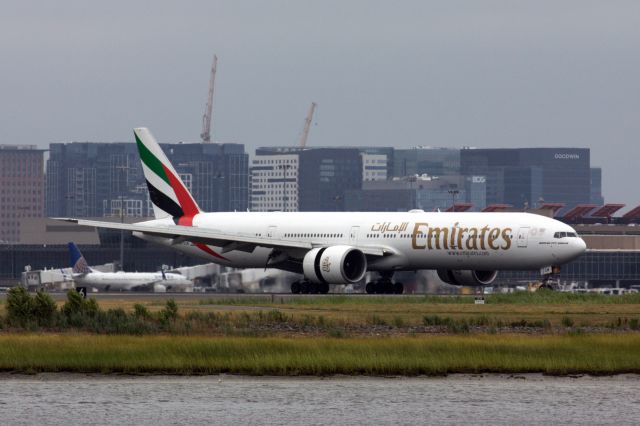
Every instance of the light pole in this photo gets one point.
(454, 193)
(121, 198)
(411, 180)
(121, 233)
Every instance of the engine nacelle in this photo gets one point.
(467, 277)
(159, 288)
(334, 265)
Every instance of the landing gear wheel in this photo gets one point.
(323, 288)
(296, 287)
(313, 288)
(370, 288)
(398, 288)
(305, 287)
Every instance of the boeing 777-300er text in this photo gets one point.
(340, 247)
(87, 278)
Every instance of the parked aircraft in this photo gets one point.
(87, 278)
(340, 247)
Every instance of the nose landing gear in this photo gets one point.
(548, 273)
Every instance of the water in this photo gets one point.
(530, 399)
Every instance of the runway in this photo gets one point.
(267, 297)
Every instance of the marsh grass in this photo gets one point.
(37, 313)
(433, 355)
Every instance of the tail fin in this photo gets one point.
(168, 193)
(78, 263)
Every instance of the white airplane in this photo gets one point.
(86, 278)
(340, 247)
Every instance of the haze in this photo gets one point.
(447, 73)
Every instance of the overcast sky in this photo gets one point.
(402, 73)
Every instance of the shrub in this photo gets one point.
(457, 327)
(436, 320)
(19, 306)
(336, 332)
(140, 311)
(567, 322)
(170, 311)
(634, 324)
(44, 309)
(398, 321)
(481, 321)
(519, 323)
(275, 316)
(74, 304)
(77, 310)
(377, 320)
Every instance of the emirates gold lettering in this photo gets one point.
(435, 235)
(417, 232)
(457, 237)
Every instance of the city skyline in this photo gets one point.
(488, 75)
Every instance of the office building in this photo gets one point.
(422, 160)
(527, 176)
(101, 179)
(418, 192)
(21, 188)
(313, 179)
(596, 186)
(274, 183)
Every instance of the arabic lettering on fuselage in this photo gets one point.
(384, 227)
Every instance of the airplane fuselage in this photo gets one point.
(411, 240)
(118, 281)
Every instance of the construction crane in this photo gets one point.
(206, 118)
(307, 125)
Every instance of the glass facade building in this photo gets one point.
(596, 186)
(324, 176)
(426, 160)
(528, 176)
(95, 179)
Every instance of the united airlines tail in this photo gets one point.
(168, 193)
(79, 264)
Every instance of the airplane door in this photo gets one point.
(271, 231)
(353, 235)
(523, 236)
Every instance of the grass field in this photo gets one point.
(424, 355)
(343, 315)
(549, 308)
(547, 333)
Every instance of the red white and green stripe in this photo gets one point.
(168, 194)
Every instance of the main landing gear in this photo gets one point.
(307, 287)
(384, 285)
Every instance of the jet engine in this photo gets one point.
(159, 288)
(334, 265)
(467, 277)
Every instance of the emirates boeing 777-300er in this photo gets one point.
(340, 247)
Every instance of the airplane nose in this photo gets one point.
(579, 246)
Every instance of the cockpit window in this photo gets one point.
(565, 234)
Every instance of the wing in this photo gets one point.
(227, 241)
